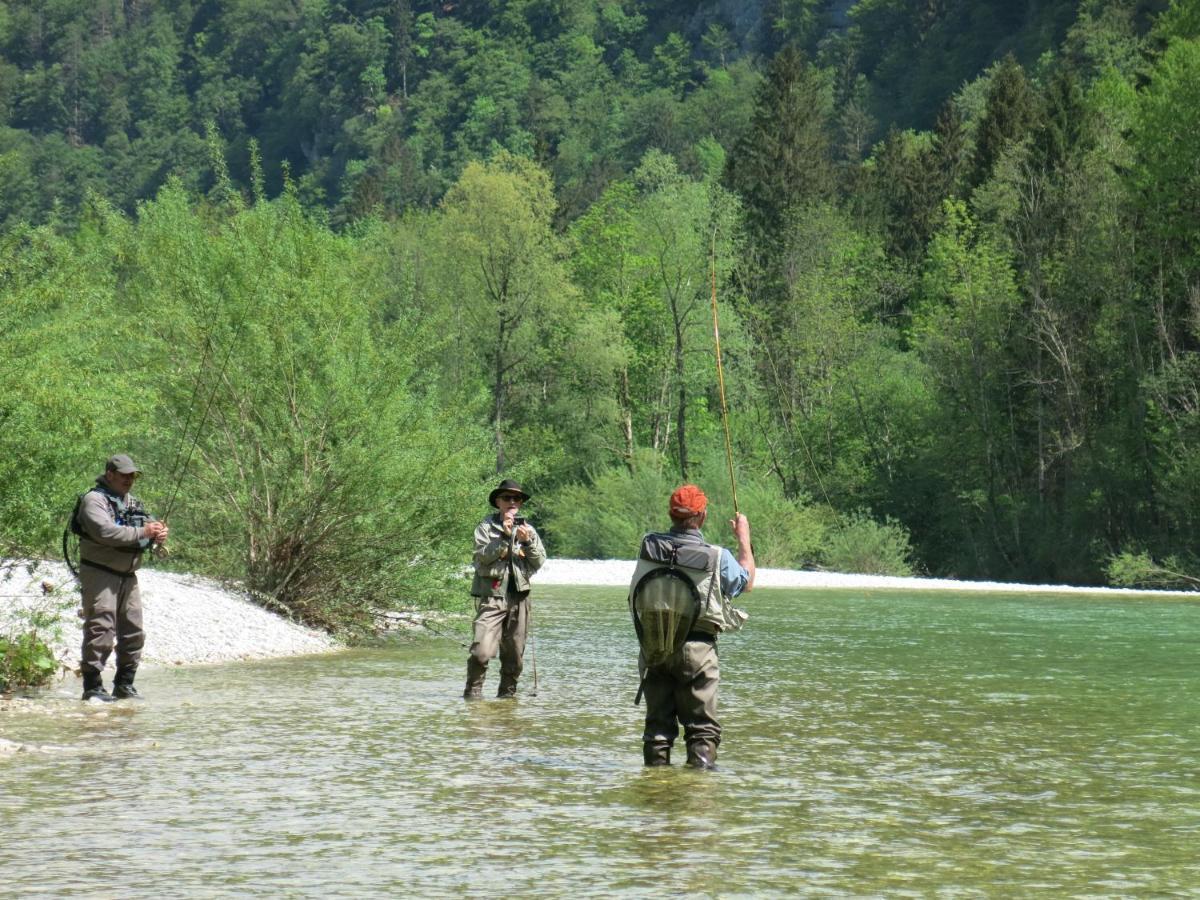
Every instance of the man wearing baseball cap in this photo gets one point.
(683, 691)
(114, 531)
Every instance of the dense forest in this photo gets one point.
(327, 268)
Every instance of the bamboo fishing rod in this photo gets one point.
(721, 377)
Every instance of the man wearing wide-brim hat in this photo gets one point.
(508, 551)
(114, 532)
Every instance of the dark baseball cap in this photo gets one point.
(121, 462)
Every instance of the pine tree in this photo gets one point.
(1012, 112)
(783, 162)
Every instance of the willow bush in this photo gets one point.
(319, 469)
(240, 354)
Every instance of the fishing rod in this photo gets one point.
(721, 377)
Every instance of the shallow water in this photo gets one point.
(875, 744)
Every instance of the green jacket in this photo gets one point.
(500, 559)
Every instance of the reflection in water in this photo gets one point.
(874, 745)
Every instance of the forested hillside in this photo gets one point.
(366, 255)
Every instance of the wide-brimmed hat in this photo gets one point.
(507, 486)
(121, 462)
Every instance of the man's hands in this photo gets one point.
(741, 529)
(157, 532)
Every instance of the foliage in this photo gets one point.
(26, 629)
(954, 249)
(324, 476)
(860, 544)
(26, 661)
(1138, 569)
(607, 517)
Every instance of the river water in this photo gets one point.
(876, 744)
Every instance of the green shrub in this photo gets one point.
(607, 518)
(25, 661)
(1138, 569)
(861, 545)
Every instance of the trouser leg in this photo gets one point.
(512, 642)
(130, 635)
(696, 700)
(101, 594)
(489, 622)
(661, 728)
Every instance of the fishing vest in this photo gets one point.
(124, 512)
(700, 563)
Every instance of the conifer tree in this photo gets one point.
(1012, 111)
(783, 162)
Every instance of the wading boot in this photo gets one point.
(702, 755)
(475, 675)
(508, 687)
(656, 754)
(93, 686)
(123, 688)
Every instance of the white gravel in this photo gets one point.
(614, 572)
(192, 620)
(187, 619)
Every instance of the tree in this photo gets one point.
(1011, 114)
(783, 162)
(509, 283)
(963, 331)
(678, 223)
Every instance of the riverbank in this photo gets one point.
(188, 620)
(191, 620)
(616, 573)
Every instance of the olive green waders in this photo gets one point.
(683, 692)
(500, 625)
(112, 615)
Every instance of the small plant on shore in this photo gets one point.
(25, 661)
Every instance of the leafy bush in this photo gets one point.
(607, 518)
(861, 545)
(325, 475)
(1138, 569)
(25, 661)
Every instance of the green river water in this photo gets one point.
(876, 745)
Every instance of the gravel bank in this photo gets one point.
(188, 620)
(616, 573)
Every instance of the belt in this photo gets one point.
(102, 568)
(701, 636)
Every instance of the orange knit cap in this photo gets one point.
(688, 501)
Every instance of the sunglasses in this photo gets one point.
(510, 498)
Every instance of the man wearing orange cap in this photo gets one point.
(683, 691)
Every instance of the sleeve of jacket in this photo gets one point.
(535, 553)
(96, 518)
(490, 543)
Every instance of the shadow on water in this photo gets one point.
(875, 744)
